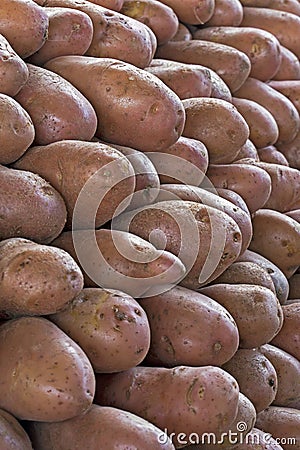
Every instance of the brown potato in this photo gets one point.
(270, 154)
(16, 132)
(277, 237)
(12, 434)
(255, 309)
(181, 323)
(262, 125)
(118, 91)
(248, 150)
(100, 428)
(13, 70)
(36, 279)
(36, 210)
(203, 119)
(53, 378)
(183, 33)
(288, 338)
(226, 13)
(289, 68)
(191, 11)
(58, 110)
(232, 65)
(289, 88)
(24, 24)
(291, 151)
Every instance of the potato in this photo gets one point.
(282, 423)
(288, 338)
(36, 279)
(205, 239)
(219, 88)
(181, 323)
(261, 47)
(58, 110)
(70, 33)
(270, 154)
(291, 151)
(276, 237)
(289, 88)
(284, 25)
(289, 68)
(12, 434)
(183, 33)
(13, 70)
(262, 125)
(184, 162)
(230, 64)
(294, 283)
(252, 183)
(92, 192)
(115, 5)
(109, 325)
(203, 119)
(255, 309)
(226, 13)
(24, 24)
(288, 374)
(233, 197)
(156, 15)
(53, 378)
(259, 438)
(119, 91)
(192, 12)
(119, 260)
(16, 132)
(248, 150)
(206, 398)
(100, 428)
(281, 5)
(115, 35)
(295, 214)
(36, 210)
(186, 80)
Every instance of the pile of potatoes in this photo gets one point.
(149, 224)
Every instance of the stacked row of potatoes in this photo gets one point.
(149, 224)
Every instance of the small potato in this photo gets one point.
(255, 309)
(291, 151)
(288, 338)
(233, 197)
(192, 12)
(36, 279)
(270, 154)
(277, 237)
(289, 88)
(13, 70)
(289, 68)
(53, 378)
(110, 326)
(195, 399)
(100, 428)
(226, 13)
(57, 109)
(119, 91)
(16, 132)
(203, 119)
(181, 323)
(262, 125)
(248, 150)
(183, 33)
(12, 434)
(36, 210)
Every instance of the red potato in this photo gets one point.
(12, 434)
(248, 150)
(183, 33)
(70, 32)
(24, 24)
(192, 12)
(288, 338)
(226, 13)
(289, 68)
(119, 91)
(291, 6)
(282, 109)
(271, 155)
(232, 65)
(57, 109)
(291, 151)
(284, 25)
(115, 35)
(160, 18)
(289, 88)
(219, 88)
(261, 47)
(13, 70)
(232, 197)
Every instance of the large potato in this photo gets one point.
(13, 70)
(12, 434)
(52, 377)
(130, 103)
(288, 338)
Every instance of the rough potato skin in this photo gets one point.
(13, 70)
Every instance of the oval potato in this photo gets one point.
(13, 70)
(226, 13)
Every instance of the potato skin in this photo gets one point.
(226, 13)
(289, 68)
(183, 33)
(291, 151)
(36, 210)
(13, 70)
(115, 5)
(110, 326)
(17, 131)
(12, 434)
(288, 338)
(36, 279)
(289, 88)
(100, 428)
(294, 283)
(248, 150)
(270, 154)
(64, 392)
(192, 12)
(280, 5)
(58, 110)
(219, 88)
(117, 91)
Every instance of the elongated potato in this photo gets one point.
(276, 237)
(118, 91)
(92, 192)
(206, 397)
(29, 347)
(57, 109)
(262, 125)
(192, 12)
(119, 260)
(181, 323)
(203, 118)
(248, 150)
(289, 68)
(291, 151)
(288, 374)
(101, 427)
(289, 88)
(270, 154)
(13, 70)
(16, 132)
(288, 338)
(36, 279)
(36, 210)
(115, 35)
(255, 309)
(226, 13)
(12, 435)
(232, 65)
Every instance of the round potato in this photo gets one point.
(13, 70)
